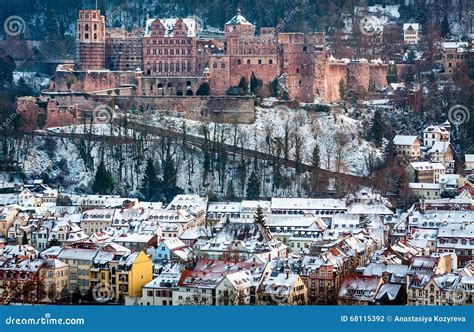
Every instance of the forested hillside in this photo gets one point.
(52, 18)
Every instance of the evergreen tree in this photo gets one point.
(255, 83)
(364, 221)
(168, 184)
(315, 160)
(342, 88)
(103, 182)
(23, 89)
(243, 85)
(259, 217)
(150, 183)
(253, 186)
(204, 90)
(377, 128)
(409, 76)
(445, 30)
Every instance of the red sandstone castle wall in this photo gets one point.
(220, 74)
(378, 76)
(335, 72)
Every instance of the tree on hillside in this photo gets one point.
(315, 160)
(253, 186)
(168, 183)
(103, 182)
(150, 183)
(259, 217)
(445, 30)
(377, 128)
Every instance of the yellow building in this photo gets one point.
(7, 216)
(55, 276)
(115, 276)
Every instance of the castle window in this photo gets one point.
(169, 85)
(305, 48)
(86, 36)
(95, 36)
(259, 61)
(160, 86)
(248, 61)
(214, 65)
(166, 67)
(94, 15)
(79, 36)
(160, 42)
(171, 42)
(189, 41)
(95, 26)
(160, 51)
(239, 62)
(271, 61)
(172, 67)
(87, 27)
(160, 67)
(297, 70)
(222, 65)
(177, 67)
(190, 67)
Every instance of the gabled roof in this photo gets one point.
(404, 140)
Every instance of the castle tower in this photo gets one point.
(90, 40)
(235, 29)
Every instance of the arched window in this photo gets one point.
(271, 61)
(87, 27)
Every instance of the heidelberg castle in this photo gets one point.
(168, 58)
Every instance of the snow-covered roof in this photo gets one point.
(359, 288)
(251, 206)
(164, 280)
(460, 46)
(169, 25)
(389, 290)
(224, 207)
(404, 140)
(435, 129)
(439, 146)
(469, 158)
(238, 20)
(427, 166)
(429, 186)
(414, 26)
(199, 279)
(308, 204)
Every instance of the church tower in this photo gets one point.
(90, 40)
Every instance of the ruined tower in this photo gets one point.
(90, 40)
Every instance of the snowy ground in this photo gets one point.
(37, 81)
(314, 128)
